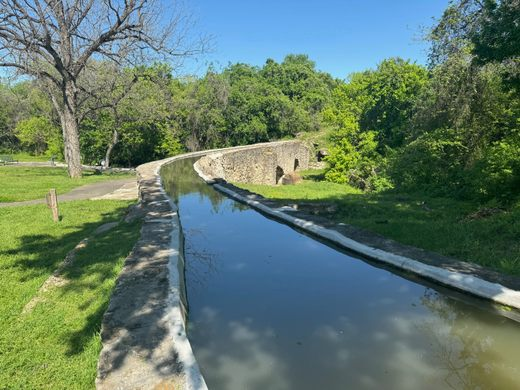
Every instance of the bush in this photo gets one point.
(434, 163)
(499, 174)
(354, 160)
(38, 135)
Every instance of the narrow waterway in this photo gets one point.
(271, 308)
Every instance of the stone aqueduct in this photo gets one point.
(265, 164)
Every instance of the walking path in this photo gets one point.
(120, 189)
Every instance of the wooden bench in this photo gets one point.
(6, 159)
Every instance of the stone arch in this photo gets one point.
(296, 164)
(279, 173)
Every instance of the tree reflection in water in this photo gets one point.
(179, 179)
(466, 349)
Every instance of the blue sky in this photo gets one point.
(340, 36)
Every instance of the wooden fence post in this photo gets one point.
(52, 203)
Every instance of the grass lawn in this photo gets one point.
(26, 157)
(27, 183)
(56, 344)
(441, 225)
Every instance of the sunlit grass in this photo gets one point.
(26, 157)
(26, 183)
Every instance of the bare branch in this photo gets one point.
(58, 40)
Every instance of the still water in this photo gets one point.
(271, 308)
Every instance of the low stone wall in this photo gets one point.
(258, 164)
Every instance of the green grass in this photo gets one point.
(440, 225)
(26, 157)
(321, 138)
(57, 344)
(27, 183)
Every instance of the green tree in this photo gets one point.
(499, 169)
(354, 160)
(8, 140)
(39, 135)
(382, 99)
(354, 156)
(299, 80)
(433, 163)
(198, 111)
(497, 37)
(131, 100)
(465, 121)
(258, 111)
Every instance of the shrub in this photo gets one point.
(499, 173)
(39, 135)
(355, 160)
(434, 162)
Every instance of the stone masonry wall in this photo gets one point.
(259, 164)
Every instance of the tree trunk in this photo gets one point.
(69, 124)
(115, 140)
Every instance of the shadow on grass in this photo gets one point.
(90, 277)
(95, 269)
(42, 253)
(79, 340)
(314, 175)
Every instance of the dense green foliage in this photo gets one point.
(452, 129)
(369, 115)
(146, 114)
(37, 134)
(27, 120)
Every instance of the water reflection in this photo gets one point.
(273, 309)
(179, 180)
(202, 255)
(470, 346)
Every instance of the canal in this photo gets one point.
(272, 308)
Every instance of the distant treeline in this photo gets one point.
(160, 115)
(451, 128)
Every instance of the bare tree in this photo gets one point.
(56, 40)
